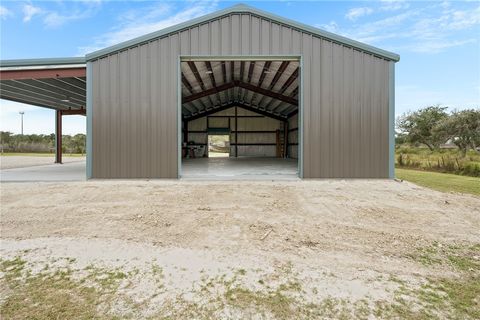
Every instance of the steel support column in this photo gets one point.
(236, 132)
(58, 136)
(185, 131)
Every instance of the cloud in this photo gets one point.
(438, 46)
(29, 11)
(355, 13)
(393, 5)
(5, 13)
(53, 18)
(142, 22)
(332, 26)
(85, 10)
(431, 28)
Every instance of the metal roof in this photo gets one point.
(241, 8)
(43, 62)
(58, 83)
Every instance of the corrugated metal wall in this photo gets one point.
(345, 100)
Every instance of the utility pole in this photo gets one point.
(21, 114)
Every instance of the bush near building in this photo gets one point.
(440, 160)
(41, 143)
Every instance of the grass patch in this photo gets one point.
(57, 294)
(92, 293)
(441, 181)
(460, 258)
(443, 160)
(46, 295)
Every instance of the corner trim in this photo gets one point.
(391, 121)
(300, 123)
(89, 121)
(179, 117)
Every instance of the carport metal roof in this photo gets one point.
(58, 84)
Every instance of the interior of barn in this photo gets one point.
(240, 118)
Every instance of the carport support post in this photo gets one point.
(185, 131)
(236, 132)
(58, 136)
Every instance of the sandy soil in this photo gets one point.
(10, 162)
(339, 239)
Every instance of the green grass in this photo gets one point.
(441, 181)
(93, 293)
(33, 154)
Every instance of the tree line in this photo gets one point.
(41, 143)
(433, 126)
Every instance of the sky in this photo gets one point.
(439, 42)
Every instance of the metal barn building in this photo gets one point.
(264, 90)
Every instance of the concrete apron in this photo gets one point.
(242, 168)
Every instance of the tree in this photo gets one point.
(420, 126)
(463, 128)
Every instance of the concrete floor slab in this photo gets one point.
(73, 171)
(242, 168)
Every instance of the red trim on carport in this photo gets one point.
(43, 73)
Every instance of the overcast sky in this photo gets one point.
(439, 42)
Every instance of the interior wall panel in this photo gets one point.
(345, 100)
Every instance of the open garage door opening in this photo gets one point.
(240, 118)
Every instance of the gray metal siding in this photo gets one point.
(345, 100)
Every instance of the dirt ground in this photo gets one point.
(256, 250)
(10, 162)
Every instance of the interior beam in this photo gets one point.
(291, 114)
(278, 74)
(294, 92)
(250, 71)
(289, 81)
(224, 72)
(268, 93)
(259, 111)
(275, 79)
(236, 104)
(242, 69)
(243, 85)
(187, 84)
(212, 79)
(194, 69)
(81, 112)
(264, 72)
(208, 92)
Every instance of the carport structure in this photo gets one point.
(58, 84)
